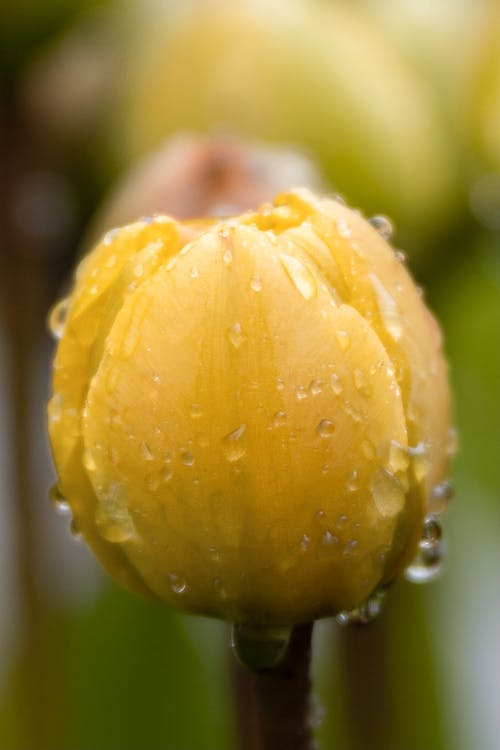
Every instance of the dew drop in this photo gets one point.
(343, 228)
(328, 539)
(57, 318)
(398, 459)
(304, 542)
(146, 451)
(299, 275)
(74, 529)
(177, 583)
(195, 411)
(187, 458)
(349, 548)
(301, 392)
(342, 520)
(194, 273)
(427, 564)
(325, 428)
(138, 270)
(366, 612)
(110, 236)
(279, 419)
(233, 445)
(54, 407)
(236, 335)
(280, 384)
(382, 225)
(361, 382)
(387, 493)
(441, 496)
(315, 387)
(256, 283)
(60, 503)
(400, 255)
(420, 461)
(112, 517)
(388, 309)
(343, 340)
(156, 377)
(336, 384)
(111, 261)
(352, 484)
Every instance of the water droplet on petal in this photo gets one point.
(110, 236)
(300, 276)
(57, 318)
(304, 542)
(343, 228)
(233, 444)
(328, 539)
(398, 459)
(256, 283)
(74, 529)
(420, 461)
(336, 384)
(315, 387)
(138, 270)
(441, 496)
(236, 336)
(60, 503)
(387, 493)
(368, 449)
(400, 255)
(343, 339)
(194, 273)
(112, 517)
(325, 428)
(279, 419)
(146, 451)
(388, 309)
(301, 392)
(195, 411)
(361, 382)
(427, 564)
(366, 612)
(177, 583)
(382, 225)
(187, 458)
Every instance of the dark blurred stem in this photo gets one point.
(365, 697)
(276, 713)
(24, 314)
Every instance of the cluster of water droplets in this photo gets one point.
(366, 612)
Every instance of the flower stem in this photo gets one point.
(279, 705)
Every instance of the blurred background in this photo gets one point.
(110, 110)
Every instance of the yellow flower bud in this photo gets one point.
(250, 416)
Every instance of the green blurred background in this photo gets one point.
(398, 105)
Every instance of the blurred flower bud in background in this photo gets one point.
(324, 76)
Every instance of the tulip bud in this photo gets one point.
(250, 416)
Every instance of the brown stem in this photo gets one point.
(279, 698)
